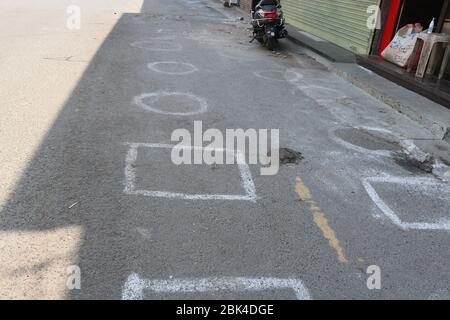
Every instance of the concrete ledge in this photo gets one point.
(431, 115)
(324, 48)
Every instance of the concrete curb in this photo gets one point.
(321, 47)
(434, 117)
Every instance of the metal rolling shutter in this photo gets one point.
(343, 22)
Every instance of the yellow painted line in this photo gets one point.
(319, 219)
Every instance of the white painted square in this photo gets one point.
(131, 188)
(135, 286)
(425, 184)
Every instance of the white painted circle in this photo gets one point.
(180, 68)
(273, 75)
(158, 44)
(321, 93)
(293, 76)
(381, 152)
(202, 105)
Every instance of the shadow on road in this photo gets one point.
(75, 177)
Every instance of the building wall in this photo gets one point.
(246, 5)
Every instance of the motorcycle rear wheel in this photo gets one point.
(271, 43)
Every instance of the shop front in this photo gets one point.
(342, 22)
(354, 26)
(395, 15)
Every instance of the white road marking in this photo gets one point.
(443, 224)
(196, 3)
(144, 232)
(348, 145)
(202, 104)
(135, 286)
(73, 205)
(326, 97)
(272, 75)
(322, 94)
(188, 68)
(130, 176)
(376, 129)
(293, 76)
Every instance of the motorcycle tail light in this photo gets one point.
(270, 14)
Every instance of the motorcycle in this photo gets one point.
(268, 23)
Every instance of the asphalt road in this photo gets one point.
(354, 201)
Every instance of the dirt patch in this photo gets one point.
(289, 156)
